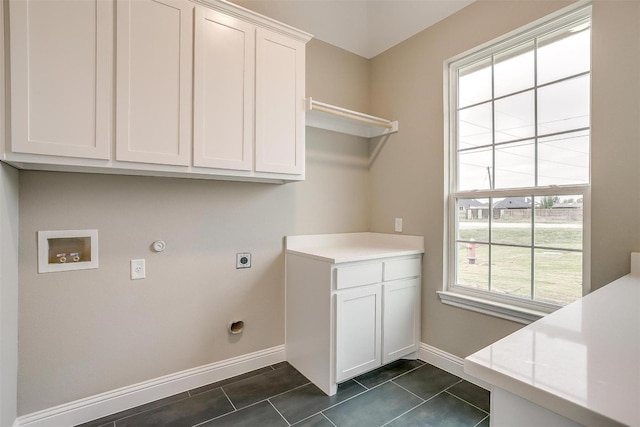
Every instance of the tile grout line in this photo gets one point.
(481, 421)
(465, 401)
(328, 419)
(366, 389)
(410, 392)
(229, 399)
(404, 413)
(253, 404)
(279, 413)
(321, 412)
(360, 384)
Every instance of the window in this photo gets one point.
(519, 157)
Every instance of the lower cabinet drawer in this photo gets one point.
(358, 275)
(403, 268)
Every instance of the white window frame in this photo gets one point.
(503, 306)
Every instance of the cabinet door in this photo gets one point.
(61, 77)
(223, 91)
(154, 54)
(401, 319)
(280, 127)
(358, 331)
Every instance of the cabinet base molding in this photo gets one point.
(111, 402)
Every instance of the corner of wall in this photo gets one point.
(8, 264)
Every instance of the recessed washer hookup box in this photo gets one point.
(64, 250)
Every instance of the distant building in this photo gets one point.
(472, 209)
(513, 203)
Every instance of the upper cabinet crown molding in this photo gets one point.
(177, 111)
(244, 14)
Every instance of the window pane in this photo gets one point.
(564, 106)
(564, 159)
(473, 266)
(558, 276)
(474, 83)
(513, 70)
(511, 271)
(559, 222)
(474, 169)
(475, 126)
(515, 165)
(512, 221)
(564, 53)
(473, 219)
(514, 117)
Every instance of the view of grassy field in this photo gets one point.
(557, 272)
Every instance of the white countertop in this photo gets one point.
(582, 361)
(349, 247)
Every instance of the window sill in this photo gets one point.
(491, 308)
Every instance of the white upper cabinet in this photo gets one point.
(280, 108)
(153, 75)
(184, 88)
(224, 72)
(61, 77)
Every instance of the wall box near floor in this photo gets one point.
(63, 250)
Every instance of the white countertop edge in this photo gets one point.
(546, 399)
(353, 258)
(352, 247)
(477, 365)
(349, 239)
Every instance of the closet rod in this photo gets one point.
(353, 115)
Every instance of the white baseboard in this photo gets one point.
(448, 362)
(101, 405)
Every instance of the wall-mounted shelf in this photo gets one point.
(327, 116)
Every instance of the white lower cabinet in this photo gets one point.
(344, 319)
(401, 318)
(358, 332)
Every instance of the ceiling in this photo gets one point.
(364, 27)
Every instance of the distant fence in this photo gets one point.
(557, 214)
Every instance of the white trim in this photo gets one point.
(254, 18)
(492, 308)
(448, 362)
(111, 402)
(521, 311)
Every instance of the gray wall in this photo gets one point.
(407, 84)
(615, 144)
(8, 294)
(86, 332)
(8, 266)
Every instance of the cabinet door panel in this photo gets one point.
(358, 331)
(280, 126)
(401, 319)
(154, 49)
(61, 77)
(223, 91)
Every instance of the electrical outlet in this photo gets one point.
(398, 225)
(138, 270)
(243, 260)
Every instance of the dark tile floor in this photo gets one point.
(403, 393)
